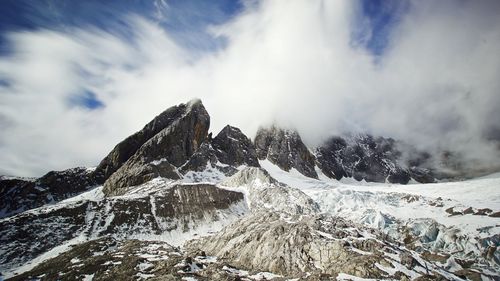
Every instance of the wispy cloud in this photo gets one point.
(293, 62)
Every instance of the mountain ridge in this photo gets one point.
(226, 198)
(362, 157)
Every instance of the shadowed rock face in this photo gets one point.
(164, 152)
(230, 147)
(285, 149)
(19, 194)
(128, 147)
(363, 158)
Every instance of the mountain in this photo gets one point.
(361, 157)
(184, 128)
(171, 202)
(364, 158)
(285, 148)
(227, 151)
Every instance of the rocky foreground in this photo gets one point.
(171, 202)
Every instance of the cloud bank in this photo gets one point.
(67, 97)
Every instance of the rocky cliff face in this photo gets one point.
(186, 129)
(158, 210)
(285, 149)
(20, 194)
(228, 150)
(363, 158)
(128, 147)
(360, 157)
(233, 148)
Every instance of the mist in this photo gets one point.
(299, 64)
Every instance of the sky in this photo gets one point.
(77, 77)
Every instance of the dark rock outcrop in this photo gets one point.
(18, 194)
(186, 127)
(363, 158)
(64, 184)
(128, 147)
(204, 156)
(230, 147)
(233, 148)
(330, 158)
(285, 149)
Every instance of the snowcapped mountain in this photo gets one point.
(171, 202)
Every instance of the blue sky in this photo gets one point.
(381, 17)
(185, 20)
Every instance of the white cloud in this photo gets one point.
(290, 62)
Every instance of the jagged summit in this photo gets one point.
(234, 148)
(163, 145)
(227, 151)
(285, 148)
(176, 144)
(362, 157)
(128, 147)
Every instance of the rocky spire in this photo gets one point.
(173, 137)
(128, 147)
(285, 149)
(230, 147)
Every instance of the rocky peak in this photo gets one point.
(125, 149)
(128, 147)
(185, 128)
(285, 149)
(232, 147)
(228, 150)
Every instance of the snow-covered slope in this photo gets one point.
(161, 209)
(298, 224)
(460, 219)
